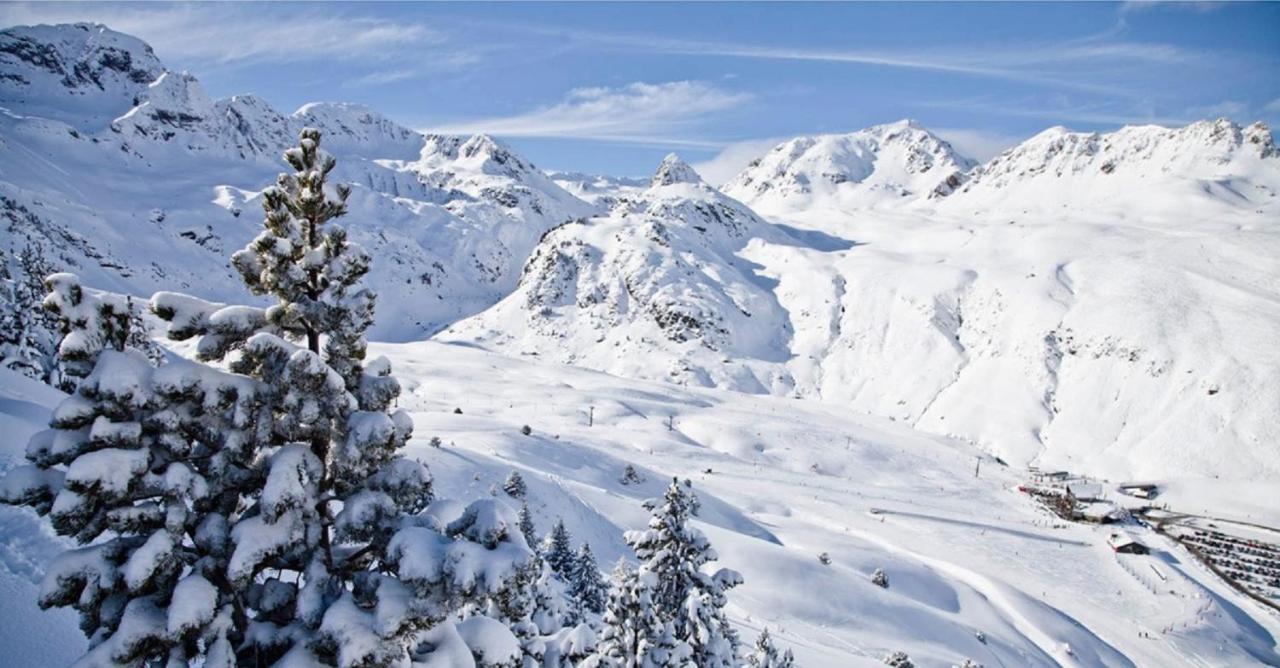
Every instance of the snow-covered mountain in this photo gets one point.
(79, 74)
(127, 173)
(1100, 300)
(881, 165)
(1125, 334)
(1143, 168)
(654, 288)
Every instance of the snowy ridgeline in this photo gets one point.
(1104, 302)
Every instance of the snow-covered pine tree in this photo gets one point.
(630, 476)
(557, 550)
(635, 635)
(674, 553)
(264, 515)
(880, 579)
(713, 641)
(766, 654)
(28, 332)
(526, 525)
(586, 587)
(334, 440)
(534, 605)
(514, 486)
(898, 660)
(142, 466)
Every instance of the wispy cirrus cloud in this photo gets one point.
(663, 114)
(1077, 64)
(1094, 114)
(733, 158)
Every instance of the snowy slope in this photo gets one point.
(962, 554)
(881, 165)
(783, 481)
(130, 175)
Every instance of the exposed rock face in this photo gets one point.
(65, 71)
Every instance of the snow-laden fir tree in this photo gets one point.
(766, 654)
(514, 486)
(260, 514)
(674, 552)
(557, 550)
(536, 607)
(703, 625)
(635, 634)
(880, 579)
(29, 333)
(586, 587)
(527, 528)
(898, 660)
(630, 476)
(142, 467)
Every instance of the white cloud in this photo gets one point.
(1273, 105)
(1077, 64)
(733, 158)
(1061, 113)
(660, 114)
(1198, 7)
(980, 145)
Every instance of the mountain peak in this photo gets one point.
(882, 163)
(674, 170)
(81, 73)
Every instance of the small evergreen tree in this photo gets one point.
(634, 633)
(531, 601)
(514, 486)
(630, 477)
(29, 333)
(766, 655)
(898, 660)
(526, 525)
(879, 579)
(557, 550)
(586, 587)
(693, 601)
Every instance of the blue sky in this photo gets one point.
(614, 87)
